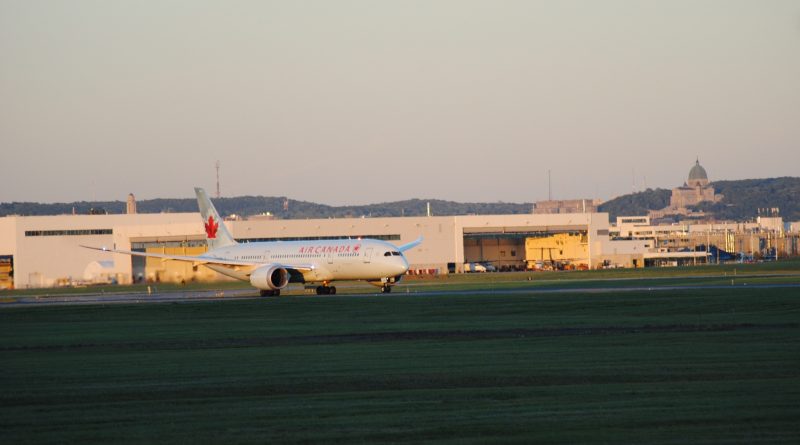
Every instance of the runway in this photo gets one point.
(400, 291)
(127, 298)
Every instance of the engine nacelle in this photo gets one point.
(269, 278)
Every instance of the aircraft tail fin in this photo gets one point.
(217, 234)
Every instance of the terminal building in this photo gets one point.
(44, 251)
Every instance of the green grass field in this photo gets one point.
(664, 366)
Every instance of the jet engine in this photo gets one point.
(269, 278)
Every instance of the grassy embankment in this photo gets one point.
(700, 366)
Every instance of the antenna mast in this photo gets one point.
(217, 164)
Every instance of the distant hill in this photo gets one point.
(743, 198)
(741, 201)
(254, 205)
(636, 203)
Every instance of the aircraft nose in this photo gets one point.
(402, 266)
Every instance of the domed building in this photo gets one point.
(697, 176)
(695, 190)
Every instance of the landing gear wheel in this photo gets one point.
(325, 290)
(270, 293)
(386, 289)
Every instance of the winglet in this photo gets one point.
(410, 245)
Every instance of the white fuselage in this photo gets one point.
(320, 260)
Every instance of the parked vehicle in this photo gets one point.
(474, 267)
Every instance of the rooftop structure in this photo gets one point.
(566, 206)
(697, 176)
(131, 205)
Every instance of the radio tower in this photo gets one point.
(217, 165)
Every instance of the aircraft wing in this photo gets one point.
(202, 259)
(410, 245)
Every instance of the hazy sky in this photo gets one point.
(351, 102)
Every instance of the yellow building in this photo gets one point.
(558, 250)
(6, 273)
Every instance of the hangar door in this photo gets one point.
(510, 250)
(505, 252)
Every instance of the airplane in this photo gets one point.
(270, 266)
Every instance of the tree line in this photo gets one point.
(742, 201)
(257, 205)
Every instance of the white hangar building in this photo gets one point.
(44, 251)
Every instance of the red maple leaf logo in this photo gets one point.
(211, 228)
(356, 248)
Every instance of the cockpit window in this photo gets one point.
(396, 253)
(387, 254)
(392, 253)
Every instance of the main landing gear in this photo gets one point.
(326, 290)
(270, 293)
(386, 289)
